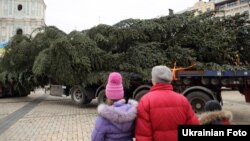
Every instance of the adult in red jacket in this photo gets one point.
(161, 110)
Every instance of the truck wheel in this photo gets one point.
(198, 100)
(139, 95)
(101, 97)
(78, 95)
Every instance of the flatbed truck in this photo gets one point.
(197, 86)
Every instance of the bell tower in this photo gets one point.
(20, 17)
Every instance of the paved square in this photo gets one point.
(53, 119)
(41, 117)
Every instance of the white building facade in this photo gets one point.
(20, 17)
(232, 7)
(222, 7)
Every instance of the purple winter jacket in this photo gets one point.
(115, 122)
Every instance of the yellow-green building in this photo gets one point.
(202, 6)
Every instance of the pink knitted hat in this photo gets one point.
(114, 87)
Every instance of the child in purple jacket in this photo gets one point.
(115, 121)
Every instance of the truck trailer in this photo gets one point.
(198, 86)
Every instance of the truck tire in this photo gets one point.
(101, 98)
(78, 95)
(139, 95)
(198, 100)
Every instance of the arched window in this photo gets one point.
(19, 7)
(19, 31)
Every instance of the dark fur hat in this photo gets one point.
(212, 105)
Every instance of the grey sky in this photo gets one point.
(70, 15)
